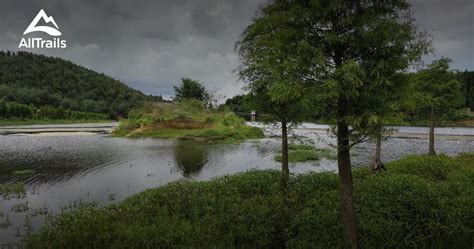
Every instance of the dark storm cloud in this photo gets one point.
(151, 44)
(451, 23)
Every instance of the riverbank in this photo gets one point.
(60, 129)
(466, 121)
(22, 122)
(420, 201)
(410, 132)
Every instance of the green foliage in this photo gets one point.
(188, 119)
(467, 79)
(306, 152)
(12, 189)
(25, 172)
(272, 55)
(39, 80)
(396, 209)
(191, 90)
(426, 167)
(437, 88)
(16, 111)
(240, 104)
(345, 56)
(16, 122)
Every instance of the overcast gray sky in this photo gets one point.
(151, 44)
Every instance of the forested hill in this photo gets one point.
(47, 81)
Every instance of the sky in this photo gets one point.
(151, 44)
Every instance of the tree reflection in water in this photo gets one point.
(190, 157)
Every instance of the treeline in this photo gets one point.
(13, 110)
(243, 104)
(28, 78)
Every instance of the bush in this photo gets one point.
(427, 167)
(248, 210)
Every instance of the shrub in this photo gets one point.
(433, 168)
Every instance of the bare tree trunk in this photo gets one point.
(377, 165)
(348, 216)
(432, 128)
(284, 154)
(378, 145)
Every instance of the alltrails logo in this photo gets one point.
(40, 42)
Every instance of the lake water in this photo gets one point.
(76, 164)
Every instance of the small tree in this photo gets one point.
(387, 109)
(191, 89)
(438, 92)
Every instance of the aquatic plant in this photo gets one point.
(12, 190)
(306, 152)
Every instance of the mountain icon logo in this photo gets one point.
(47, 29)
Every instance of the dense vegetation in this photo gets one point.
(191, 89)
(343, 57)
(419, 202)
(188, 119)
(12, 111)
(39, 80)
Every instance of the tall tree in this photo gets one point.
(191, 89)
(348, 51)
(271, 52)
(240, 104)
(438, 92)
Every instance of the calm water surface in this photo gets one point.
(72, 168)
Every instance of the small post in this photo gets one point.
(253, 115)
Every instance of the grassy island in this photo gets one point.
(307, 152)
(185, 120)
(419, 202)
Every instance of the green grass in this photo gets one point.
(12, 189)
(26, 172)
(187, 120)
(306, 152)
(413, 204)
(15, 122)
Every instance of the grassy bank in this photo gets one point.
(419, 202)
(185, 120)
(306, 152)
(16, 122)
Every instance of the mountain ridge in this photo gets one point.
(41, 80)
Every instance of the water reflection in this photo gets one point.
(190, 157)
